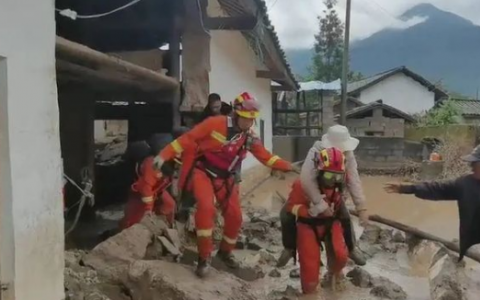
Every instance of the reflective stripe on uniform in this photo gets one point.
(229, 240)
(147, 199)
(204, 232)
(177, 147)
(218, 136)
(272, 160)
(295, 209)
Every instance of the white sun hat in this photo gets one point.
(338, 136)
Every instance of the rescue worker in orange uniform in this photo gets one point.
(212, 152)
(149, 193)
(313, 226)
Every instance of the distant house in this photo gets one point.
(400, 88)
(377, 119)
(469, 110)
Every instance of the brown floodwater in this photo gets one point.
(436, 217)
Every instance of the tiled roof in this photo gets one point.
(467, 107)
(358, 86)
(373, 105)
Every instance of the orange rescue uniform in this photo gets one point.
(209, 144)
(311, 231)
(149, 194)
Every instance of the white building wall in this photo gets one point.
(31, 218)
(233, 71)
(401, 92)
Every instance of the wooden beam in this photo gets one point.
(270, 75)
(280, 88)
(71, 51)
(241, 23)
(67, 70)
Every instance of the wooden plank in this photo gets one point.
(270, 75)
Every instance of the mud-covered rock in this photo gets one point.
(290, 293)
(398, 237)
(157, 225)
(295, 273)
(371, 234)
(275, 273)
(256, 244)
(267, 257)
(444, 279)
(149, 280)
(361, 278)
(386, 289)
(113, 255)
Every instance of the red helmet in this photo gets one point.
(331, 163)
(246, 106)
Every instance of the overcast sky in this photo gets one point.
(295, 20)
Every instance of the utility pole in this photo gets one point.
(346, 56)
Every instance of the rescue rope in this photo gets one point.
(86, 196)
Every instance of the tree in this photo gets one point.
(328, 57)
(445, 114)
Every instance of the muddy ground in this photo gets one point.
(133, 267)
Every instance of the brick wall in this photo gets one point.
(372, 152)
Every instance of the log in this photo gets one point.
(84, 74)
(76, 52)
(421, 234)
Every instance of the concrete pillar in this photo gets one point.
(31, 219)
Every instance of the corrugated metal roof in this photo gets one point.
(319, 85)
(467, 107)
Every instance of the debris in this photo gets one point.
(245, 272)
(255, 244)
(386, 289)
(444, 279)
(241, 242)
(267, 257)
(110, 256)
(157, 225)
(169, 246)
(295, 273)
(361, 278)
(398, 237)
(275, 273)
(371, 234)
(170, 281)
(172, 235)
(154, 251)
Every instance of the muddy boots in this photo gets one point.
(228, 259)
(202, 268)
(285, 257)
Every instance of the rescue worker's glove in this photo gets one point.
(296, 169)
(158, 163)
(316, 209)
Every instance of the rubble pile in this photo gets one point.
(151, 261)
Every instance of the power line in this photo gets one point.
(385, 10)
(74, 15)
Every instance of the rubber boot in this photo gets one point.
(228, 259)
(357, 257)
(285, 257)
(203, 267)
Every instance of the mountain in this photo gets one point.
(445, 47)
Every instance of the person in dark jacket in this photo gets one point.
(465, 190)
(215, 107)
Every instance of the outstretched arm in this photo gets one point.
(448, 190)
(266, 158)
